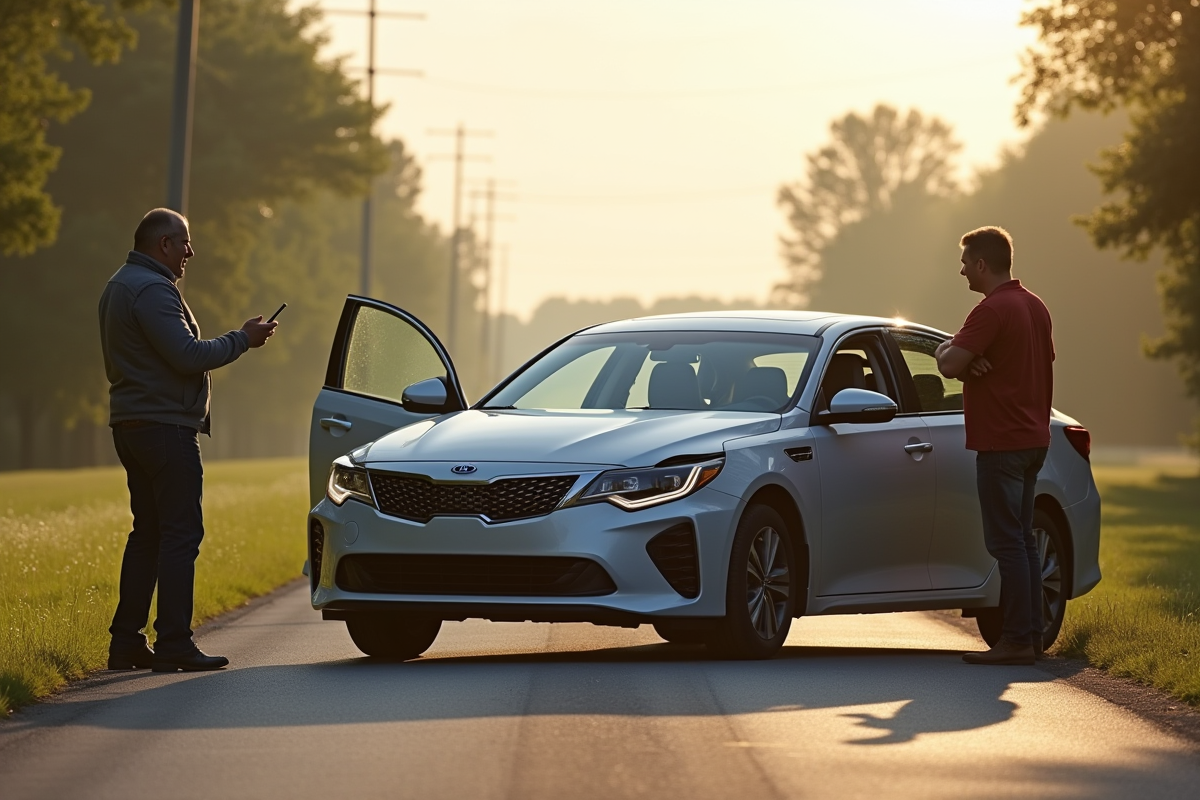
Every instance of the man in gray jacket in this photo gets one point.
(157, 367)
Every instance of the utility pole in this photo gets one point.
(501, 312)
(180, 164)
(460, 135)
(371, 14)
(489, 247)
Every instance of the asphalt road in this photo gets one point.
(871, 706)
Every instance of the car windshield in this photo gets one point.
(683, 370)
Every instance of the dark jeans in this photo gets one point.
(165, 483)
(1006, 480)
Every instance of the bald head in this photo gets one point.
(163, 235)
(154, 226)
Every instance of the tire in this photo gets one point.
(392, 637)
(759, 596)
(1054, 583)
(684, 631)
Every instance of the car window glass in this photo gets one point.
(934, 393)
(666, 370)
(567, 386)
(639, 392)
(792, 365)
(385, 355)
(858, 363)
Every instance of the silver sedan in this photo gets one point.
(716, 475)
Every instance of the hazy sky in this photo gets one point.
(645, 140)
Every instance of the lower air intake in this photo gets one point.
(316, 551)
(506, 576)
(674, 553)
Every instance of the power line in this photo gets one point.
(460, 135)
(656, 94)
(371, 14)
(648, 197)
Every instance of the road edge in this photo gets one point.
(211, 624)
(1163, 710)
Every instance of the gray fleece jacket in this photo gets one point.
(156, 362)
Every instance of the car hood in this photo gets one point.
(622, 438)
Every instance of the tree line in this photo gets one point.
(283, 153)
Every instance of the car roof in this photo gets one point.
(759, 321)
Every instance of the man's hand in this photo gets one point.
(259, 331)
(956, 362)
(980, 366)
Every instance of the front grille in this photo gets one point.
(316, 551)
(420, 500)
(509, 576)
(674, 553)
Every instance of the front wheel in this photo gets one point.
(759, 599)
(392, 637)
(1051, 553)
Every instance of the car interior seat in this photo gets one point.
(846, 371)
(768, 382)
(674, 385)
(930, 391)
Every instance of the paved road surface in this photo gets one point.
(871, 706)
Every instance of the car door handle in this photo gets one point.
(333, 422)
(919, 447)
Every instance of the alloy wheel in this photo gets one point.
(768, 583)
(1052, 576)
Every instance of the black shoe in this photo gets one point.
(138, 658)
(1005, 652)
(1039, 649)
(194, 661)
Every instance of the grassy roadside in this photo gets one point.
(1143, 620)
(62, 534)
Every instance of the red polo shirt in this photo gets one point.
(1008, 408)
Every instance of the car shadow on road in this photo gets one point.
(917, 692)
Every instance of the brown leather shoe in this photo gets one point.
(1004, 652)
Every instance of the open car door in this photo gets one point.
(378, 351)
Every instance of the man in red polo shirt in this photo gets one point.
(1004, 355)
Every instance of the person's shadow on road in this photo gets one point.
(932, 690)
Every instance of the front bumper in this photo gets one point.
(614, 539)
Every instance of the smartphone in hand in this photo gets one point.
(277, 313)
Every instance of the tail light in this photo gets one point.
(1080, 439)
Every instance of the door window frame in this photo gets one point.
(335, 371)
(890, 377)
(911, 406)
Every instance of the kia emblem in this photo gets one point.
(464, 469)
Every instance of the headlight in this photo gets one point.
(632, 489)
(347, 482)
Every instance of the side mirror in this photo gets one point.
(860, 406)
(426, 397)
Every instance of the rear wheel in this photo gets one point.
(1054, 584)
(392, 637)
(759, 600)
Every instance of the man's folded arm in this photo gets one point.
(953, 361)
(161, 315)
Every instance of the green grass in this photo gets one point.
(1143, 620)
(62, 534)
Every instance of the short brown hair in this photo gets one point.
(157, 223)
(991, 243)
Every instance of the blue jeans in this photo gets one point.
(1006, 481)
(166, 479)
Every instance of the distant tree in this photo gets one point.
(1145, 57)
(869, 161)
(273, 123)
(31, 95)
